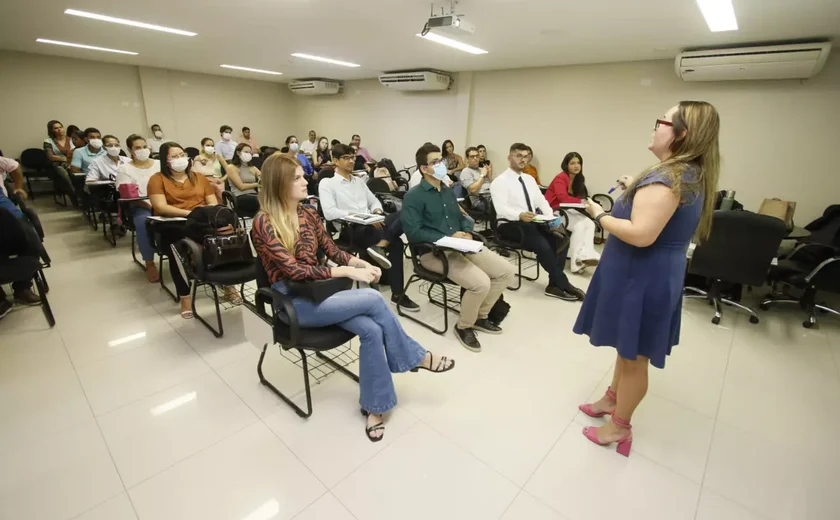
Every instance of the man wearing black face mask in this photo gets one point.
(431, 212)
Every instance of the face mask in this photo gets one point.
(95, 143)
(209, 150)
(142, 154)
(246, 157)
(226, 136)
(113, 151)
(294, 147)
(180, 164)
(440, 171)
(158, 134)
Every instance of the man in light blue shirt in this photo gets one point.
(82, 157)
(226, 146)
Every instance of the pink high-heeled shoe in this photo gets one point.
(587, 408)
(624, 443)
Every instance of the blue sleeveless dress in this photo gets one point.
(635, 297)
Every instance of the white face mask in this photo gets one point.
(180, 164)
(142, 154)
(209, 150)
(158, 134)
(113, 151)
(226, 136)
(246, 157)
(294, 147)
(95, 143)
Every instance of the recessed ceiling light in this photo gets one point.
(123, 21)
(449, 42)
(325, 60)
(248, 69)
(719, 15)
(80, 46)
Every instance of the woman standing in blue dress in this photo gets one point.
(635, 298)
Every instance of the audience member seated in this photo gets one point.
(287, 236)
(156, 140)
(357, 141)
(482, 157)
(334, 142)
(570, 187)
(58, 144)
(105, 167)
(294, 152)
(530, 169)
(430, 212)
(174, 192)
(78, 139)
(138, 172)
(248, 138)
(212, 165)
(308, 146)
(517, 198)
(23, 292)
(476, 179)
(82, 157)
(454, 162)
(321, 157)
(244, 180)
(225, 147)
(345, 194)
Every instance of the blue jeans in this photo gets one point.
(138, 216)
(385, 347)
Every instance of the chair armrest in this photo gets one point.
(279, 302)
(438, 252)
(521, 234)
(823, 251)
(824, 264)
(228, 199)
(604, 200)
(479, 237)
(191, 253)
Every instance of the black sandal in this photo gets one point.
(441, 362)
(375, 428)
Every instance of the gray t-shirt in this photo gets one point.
(468, 177)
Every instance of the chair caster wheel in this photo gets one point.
(764, 307)
(807, 324)
(716, 320)
(753, 319)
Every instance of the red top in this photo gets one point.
(281, 264)
(558, 191)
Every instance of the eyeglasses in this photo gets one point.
(522, 156)
(660, 122)
(435, 162)
(472, 156)
(348, 157)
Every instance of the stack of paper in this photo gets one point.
(364, 218)
(167, 219)
(463, 245)
(578, 205)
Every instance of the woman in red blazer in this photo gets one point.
(569, 186)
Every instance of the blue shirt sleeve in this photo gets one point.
(307, 166)
(77, 159)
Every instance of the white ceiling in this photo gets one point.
(380, 34)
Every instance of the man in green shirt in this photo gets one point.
(429, 213)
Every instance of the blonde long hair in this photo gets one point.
(278, 175)
(697, 127)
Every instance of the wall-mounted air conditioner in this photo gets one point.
(794, 61)
(416, 80)
(315, 87)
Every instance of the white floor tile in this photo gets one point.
(218, 352)
(332, 443)
(326, 508)
(250, 475)
(588, 482)
(527, 507)
(423, 475)
(118, 380)
(713, 506)
(59, 476)
(118, 508)
(149, 435)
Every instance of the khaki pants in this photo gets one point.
(484, 275)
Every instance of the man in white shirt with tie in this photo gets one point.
(518, 199)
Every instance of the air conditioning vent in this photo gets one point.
(416, 80)
(315, 87)
(795, 61)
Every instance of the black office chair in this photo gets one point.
(810, 268)
(739, 250)
(229, 200)
(20, 259)
(35, 165)
(125, 208)
(192, 152)
(288, 334)
(104, 198)
(153, 230)
(190, 257)
(32, 217)
(511, 246)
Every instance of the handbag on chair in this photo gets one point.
(218, 249)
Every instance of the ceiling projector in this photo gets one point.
(452, 24)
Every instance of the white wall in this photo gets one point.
(778, 138)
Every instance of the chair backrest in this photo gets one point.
(740, 248)
(34, 158)
(378, 186)
(192, 152)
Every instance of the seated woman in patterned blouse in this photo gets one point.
(287, 237)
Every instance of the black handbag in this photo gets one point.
(219, 250)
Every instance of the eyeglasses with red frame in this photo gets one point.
(660, 122)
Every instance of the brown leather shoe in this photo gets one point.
(27, 298)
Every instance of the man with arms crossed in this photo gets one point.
(516, 197)
(476, 180)
(430, 212)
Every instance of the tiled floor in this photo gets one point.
(126, 411)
